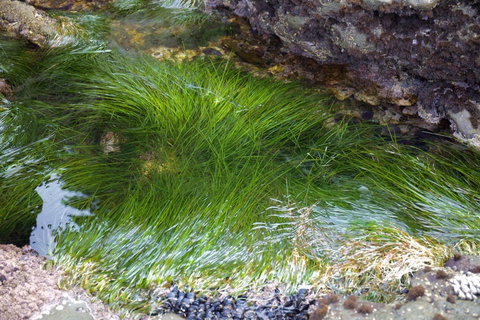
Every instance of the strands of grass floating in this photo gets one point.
(171, 13)
(381, 193)
(21, 171)
(89, 27)
(32, 135)
(199, 125)
(433, 195)
(427, 194)
(467, 246)
(202, 149)
(88, 32)
(230, 156)
(214, 153)
(132, 6)
(23, 166)
(353, 255)
(189, 256)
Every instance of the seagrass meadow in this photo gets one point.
(198, 173)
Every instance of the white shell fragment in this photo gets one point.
(466, 286)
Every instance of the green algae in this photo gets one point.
(199, 173)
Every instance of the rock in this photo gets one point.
(463, 263)
(71, 5)
(29, 290)
(5, 89)
(406, 53)
(110, 142)
(24, 20)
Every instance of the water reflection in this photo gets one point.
(55, 214)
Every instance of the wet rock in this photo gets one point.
(18, 18)
(110, 142)
(463, 263)
(212, 52)
(5, 89)
(367, 115)
(246, 53)
(71, 5)
(29, 290)
(420, 55)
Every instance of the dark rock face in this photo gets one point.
(420, 56)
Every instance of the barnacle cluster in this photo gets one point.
(466, 286)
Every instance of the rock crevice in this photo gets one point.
(415, 53)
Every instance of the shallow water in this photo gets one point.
(187, 187)
(56, 214)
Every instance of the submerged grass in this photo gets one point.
(220, 145)
(436, 194)
(172, 12)
(165, 25)
(204, 175)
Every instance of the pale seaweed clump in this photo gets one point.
(467, 246)
(352, 253)
(383, 261)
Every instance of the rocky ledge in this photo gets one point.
(414, 57)
(29, 290)
(18, 18)
(433, 295)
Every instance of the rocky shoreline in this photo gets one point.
(29, 290)
(405, 57)
(430, 297)
(29, 284)
(410, 64)
(29, 287)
